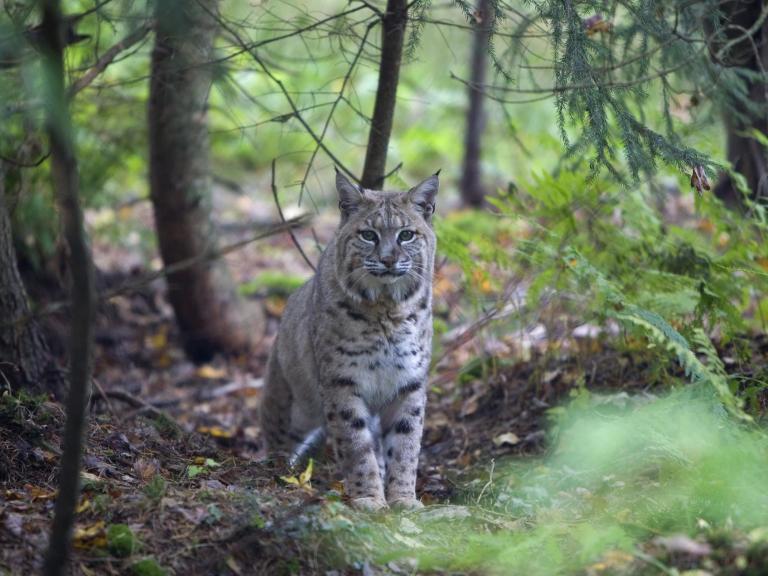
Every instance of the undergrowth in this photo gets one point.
(611, 256)
(622, 474)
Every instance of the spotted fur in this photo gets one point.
(353, 350)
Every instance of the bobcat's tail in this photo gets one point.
(304, 449)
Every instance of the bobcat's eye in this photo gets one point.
(405, 236)
(369, 235)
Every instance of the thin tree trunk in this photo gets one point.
(747, 155)
(24, 355)
(472, 191)
(392, 38)
(82, 294)
(202, 296)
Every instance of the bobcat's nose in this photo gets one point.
(389, 260)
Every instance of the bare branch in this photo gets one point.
(150, 277)
(296, 112)
(107, 58)
(280, 212)
(344, 83)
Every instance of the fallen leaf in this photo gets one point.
(146, 469)
(90, 536)
(508, 438)
(211, 372)
(216, 431)
(158, 340)
(275, 305)
(337, 486)
(84, 505)
(303, 480)
(481, 281)
(37, 493)
(233, 565)
(88, 476)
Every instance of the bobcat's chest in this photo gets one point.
(397, 353)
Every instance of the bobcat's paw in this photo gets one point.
(406, 503)
(368, 504)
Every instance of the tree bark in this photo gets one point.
(24, 356)
(744, 152)
(472, 191)
(82, 292)
(393, 26)
(202, 296)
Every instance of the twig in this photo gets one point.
(328, 119)
(468, 333)
(393, 171)
(176, 267)
(135, 402)
(104, 397)
(107, 57)
(487, 484)
(280, 211)
(281, 86)
(21, 164)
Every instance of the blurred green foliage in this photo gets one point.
(621, 471)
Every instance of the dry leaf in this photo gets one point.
(595, 24)
(158, 340)
(508, 438)
(146, 469)
(216, 431)
(481, 281)
(37, 493)
(442, 285)
(90, 536)
(275, 305)
(233, 565)
(211, 372)
(699, 179)
(84, 505)
(303, 480)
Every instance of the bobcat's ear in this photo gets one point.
(423, 195)
(350, 196)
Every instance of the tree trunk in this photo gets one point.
(82, 292)
(202, 296)
(745, 153)
(472, 191)
(392, 38)
(24, 356)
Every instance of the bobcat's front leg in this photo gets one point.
(402, 423)
(348, 422)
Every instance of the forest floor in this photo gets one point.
(175, 479)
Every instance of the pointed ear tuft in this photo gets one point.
(423, 196)
(350, 196)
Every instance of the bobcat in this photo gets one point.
(352, 354)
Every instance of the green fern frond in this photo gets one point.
(661, 333)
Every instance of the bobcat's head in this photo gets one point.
(385, 241)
